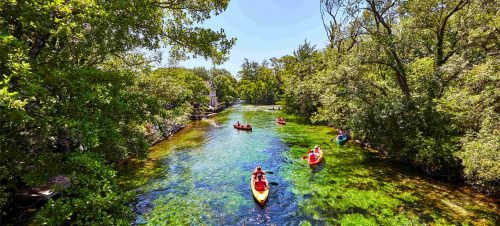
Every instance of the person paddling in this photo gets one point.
(312, 156)
(258, 171)
(316, 151)
(341, 135)
(260, 184)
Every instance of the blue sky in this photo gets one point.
(265, 29)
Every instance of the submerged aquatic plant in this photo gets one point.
(201, 176)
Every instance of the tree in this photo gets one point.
(399, 74)
(225, 84)
(68, 78)
(300, 85)
(258, 84)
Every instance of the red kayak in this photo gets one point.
(243, 127)
(281, 122)
(317, 160)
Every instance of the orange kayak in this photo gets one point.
(282, 122)
(318, 159)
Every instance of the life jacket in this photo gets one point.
(312, 157)
(260, 185)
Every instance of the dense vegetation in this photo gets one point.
(258, 83)
(418, 80)
(76, 91)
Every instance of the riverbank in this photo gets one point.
(167, 128)
(458, 180)
(136, 172)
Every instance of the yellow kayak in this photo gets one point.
(260, 196)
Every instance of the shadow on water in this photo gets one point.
(317, 168)
(432, 199)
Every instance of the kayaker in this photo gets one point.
(238, 123)
(258, 172)
(260, 184)
(312, 156)
(316, 151)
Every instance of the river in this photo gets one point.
(201, 176)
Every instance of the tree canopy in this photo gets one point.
(418, 80)
(77, 88)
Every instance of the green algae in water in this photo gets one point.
(353, 188)
(201, 177)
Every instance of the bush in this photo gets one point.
(410, 131)
(481, 157)
(93, 198)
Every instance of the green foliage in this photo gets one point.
(226, 86)
(74, 32)
(258, 83)
(99, 112)
(475, 109)
(426, 139)
(300, 85)
(290, 80)
(12, 113)
(175, 86)
(202, 73)
(70, 81)
(416, 80)
(93, 198)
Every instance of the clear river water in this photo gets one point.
(201, 176)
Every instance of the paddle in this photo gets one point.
(305, 157)
(269, 172)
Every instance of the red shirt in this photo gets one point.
(260, 185)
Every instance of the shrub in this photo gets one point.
(93, 198)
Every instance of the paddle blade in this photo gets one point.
(305, 157)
